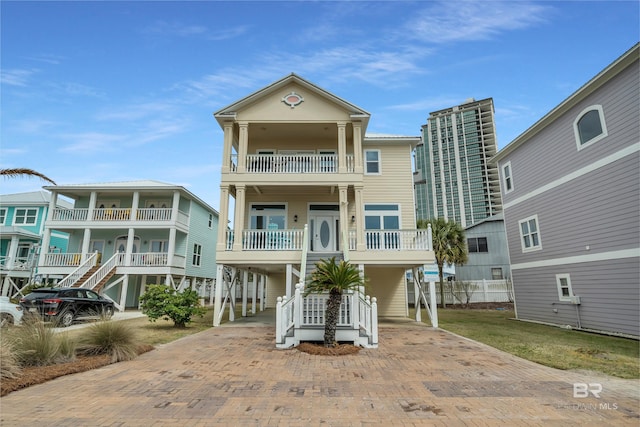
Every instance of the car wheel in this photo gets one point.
(108, 312)
(66, 319)
(6, 320)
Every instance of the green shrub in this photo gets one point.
(116, 339)
(161, 301)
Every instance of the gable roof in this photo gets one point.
(230, 111)
(33, 198)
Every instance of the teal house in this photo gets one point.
(22, 218)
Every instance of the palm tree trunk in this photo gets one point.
(332, 313)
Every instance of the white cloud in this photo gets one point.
(189, 30)
(473, 20)
(92, 142)
(16, 77)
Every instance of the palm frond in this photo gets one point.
(19, 172)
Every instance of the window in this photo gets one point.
(477, 244)
(372, 162)
(25, 216)
(589, 127)
(210, 220)
(264, 214)
(507, 180)
(159, 246)
(496, 273)
(197, 254)
(3, 215)
(380, 219)
(530, 234)
(564, 287)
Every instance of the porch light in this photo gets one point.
(353, 218)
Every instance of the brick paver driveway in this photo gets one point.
(234, 376)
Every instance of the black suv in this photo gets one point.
(63, 306)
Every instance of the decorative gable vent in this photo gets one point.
(292, 99)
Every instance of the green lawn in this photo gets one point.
(547, 345)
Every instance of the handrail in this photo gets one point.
(102, 272)
(76, 274)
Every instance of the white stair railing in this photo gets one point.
(76, 274)
(101, 273)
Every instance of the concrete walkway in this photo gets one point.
(234, 376)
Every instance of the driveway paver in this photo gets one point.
(234, 376)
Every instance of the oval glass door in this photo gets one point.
(324, 234)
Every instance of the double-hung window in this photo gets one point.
(530, 234)
(507, 179)
(197, 254)
(563, 282)
(589, 127)
(3, 215)
(372, 162)
(25, 216)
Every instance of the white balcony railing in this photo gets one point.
(62, 260)
(119, 214)
(294, 163)
(398, 240)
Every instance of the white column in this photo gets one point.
(12, 253)
(434, 304)
(416, 294)
(342, 147)
(129, 251)
(92, 205)
(223, 218)
(245, 292)
(175, 205)
(254, 292)
(361, 244)
(238, 221)
(123, 292)
(217, 304)
(171, 248)
(357, 148)
(243, 144)
(226, 147)
(344, 216)
(86, 240)
(134, 205)
(261, 295)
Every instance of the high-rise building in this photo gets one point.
(454, 178)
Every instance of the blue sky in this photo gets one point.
(117, 91)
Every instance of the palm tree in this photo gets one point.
(449, 245)
(16, 172)
(335, 278)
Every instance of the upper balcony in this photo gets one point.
(293, 163)
(118, 216)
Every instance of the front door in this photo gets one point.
(324, 233)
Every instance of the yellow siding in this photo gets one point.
(388, 286)
(395, 183)
(276, 287)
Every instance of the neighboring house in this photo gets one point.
(488, 253)
(571, 192)
(454, 177)
(126, 235)
(308, 184)
(22, 217)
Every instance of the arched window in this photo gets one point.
(589, 126)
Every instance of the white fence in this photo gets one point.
(476, 291)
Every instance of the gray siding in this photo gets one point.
(554, 153)
(479, 265)
(583, 221)
(608, 290)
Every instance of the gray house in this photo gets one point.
(488, 254)
(571, 198)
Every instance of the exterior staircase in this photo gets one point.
(314, 257)
(85, 277)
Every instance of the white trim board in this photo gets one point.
(601, 256)
(634, 148)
